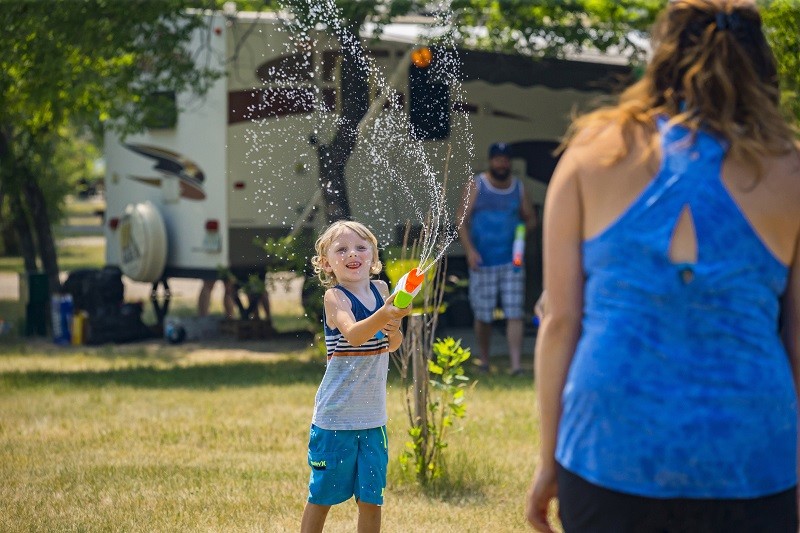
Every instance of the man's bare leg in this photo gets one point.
(514, 334)
(483, 333)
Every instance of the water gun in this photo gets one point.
(408, 287)
(518, 251)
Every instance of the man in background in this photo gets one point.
(492, 208)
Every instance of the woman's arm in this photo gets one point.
(790, 324)
(561, 324)
(790, 303)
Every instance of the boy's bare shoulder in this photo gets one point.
(335, 296)
(382, 286)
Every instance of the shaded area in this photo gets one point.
(200, 376)
(497, 68)
(159, 366)
(211, 376)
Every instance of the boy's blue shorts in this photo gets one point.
(347, 463)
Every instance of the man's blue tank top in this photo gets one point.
(681, 387)
(495, 215)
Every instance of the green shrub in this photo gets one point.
(446, 403)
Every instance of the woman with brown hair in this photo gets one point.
(668, 360)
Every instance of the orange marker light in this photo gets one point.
(422, 57)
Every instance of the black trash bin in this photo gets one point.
(35, 293)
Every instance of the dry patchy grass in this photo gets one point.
(148, 437)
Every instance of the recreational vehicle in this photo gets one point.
(193, 193)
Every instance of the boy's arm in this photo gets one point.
(396, 335)
(339, 313)
(392, 328)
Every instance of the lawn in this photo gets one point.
(153, 437)
(72, 254)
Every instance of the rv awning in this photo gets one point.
(495, 68)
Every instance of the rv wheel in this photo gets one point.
(142, 242)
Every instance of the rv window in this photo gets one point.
(429, 105)
(161, 110)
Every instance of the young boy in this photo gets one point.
(348, 449)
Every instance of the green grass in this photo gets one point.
(151, 437)
(71, 256)
(75, 207)
(11, 263)
(12, 313)
(74, 256)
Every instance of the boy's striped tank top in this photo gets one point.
(352, 394)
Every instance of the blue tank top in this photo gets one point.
(495, 215)
(681, 388)
(352, 394)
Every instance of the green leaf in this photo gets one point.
(433, 368)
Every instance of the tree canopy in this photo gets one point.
(556, 27)
(782, 23)
(103, 63)
(87, 62)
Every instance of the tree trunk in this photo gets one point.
(44, 234)
(19, 222)
(8, 242)
(333, 157)
(331, 179)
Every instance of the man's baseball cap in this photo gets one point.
(499, 149)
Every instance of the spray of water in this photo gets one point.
(392, 175)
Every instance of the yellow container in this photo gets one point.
(79, 327)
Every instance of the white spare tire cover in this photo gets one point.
(142, 242)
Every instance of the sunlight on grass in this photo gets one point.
(74, 207)
(152, 437)
(70, 257)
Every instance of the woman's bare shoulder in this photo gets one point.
(610, 141)
(785, 171)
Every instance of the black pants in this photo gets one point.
(587, 508)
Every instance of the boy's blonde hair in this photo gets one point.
(324, 241)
